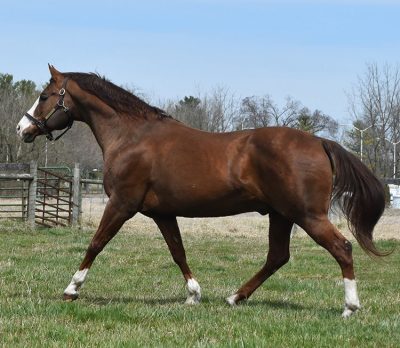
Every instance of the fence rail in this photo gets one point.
(15, 190)
(16, 177)
(41, 195)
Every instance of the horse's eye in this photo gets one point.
(43, 96)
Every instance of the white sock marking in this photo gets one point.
(232, 299)
(76, 283)
(352, 302)
(194, 290)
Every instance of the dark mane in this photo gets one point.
(116, 97)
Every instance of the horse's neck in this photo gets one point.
(110, 128)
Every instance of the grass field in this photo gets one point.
(134, 294)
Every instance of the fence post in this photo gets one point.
(32, 193)
(76, 196)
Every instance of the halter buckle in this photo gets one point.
(61, 104)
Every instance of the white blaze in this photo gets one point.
(25, 122)
(31, 111)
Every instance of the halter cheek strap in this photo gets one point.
(41, 124)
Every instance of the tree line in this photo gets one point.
(220, 111)
(374, 104)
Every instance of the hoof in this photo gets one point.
(192, 300)
(348, 312)
(232, 300)
(194, 290)
(70, 297)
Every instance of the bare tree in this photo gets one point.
(213, 112)
(288, 114)
(221, 109)
(263, 111)
(256, 112)
(375, 102)
(15, 99)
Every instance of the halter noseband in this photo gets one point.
(41, 124)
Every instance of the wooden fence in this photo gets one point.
(41, 196)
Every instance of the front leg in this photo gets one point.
(170, 231)
(113, 218)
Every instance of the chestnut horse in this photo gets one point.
(162, 168)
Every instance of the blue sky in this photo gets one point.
(312, 51)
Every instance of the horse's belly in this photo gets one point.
(194, 206)
(224, 210)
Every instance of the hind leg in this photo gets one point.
(326, 235)
(278, 255)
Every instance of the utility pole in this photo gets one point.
(361, 137)
(394, 156)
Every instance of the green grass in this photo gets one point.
(134, 294)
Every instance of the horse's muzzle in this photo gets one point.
(28, 138)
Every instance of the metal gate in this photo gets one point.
(43, 196)
(54, 199)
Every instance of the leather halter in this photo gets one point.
(41, 124)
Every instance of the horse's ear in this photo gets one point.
(55, 74)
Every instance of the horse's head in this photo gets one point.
(51, 111)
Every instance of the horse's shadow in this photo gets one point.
(104, 301)
(277, 304)
(217, 301)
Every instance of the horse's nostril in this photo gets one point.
(18, 128)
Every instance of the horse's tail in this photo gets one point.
(358, 192)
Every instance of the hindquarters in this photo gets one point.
(299, 174)
(294, 176)
(291, 172)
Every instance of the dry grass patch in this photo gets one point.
(246, 225)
